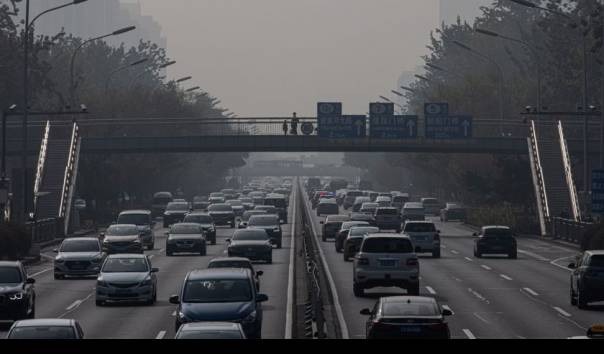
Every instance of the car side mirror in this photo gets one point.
(30, 281)
(228, 240)
(447, 312)
(438, 231)
(366, 312)
(174, 299)
(572, 266)
(259, 273)
(261, 298)
(55, 250)
(475, 234)
(154, 270)
(322, 222)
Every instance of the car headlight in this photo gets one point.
(101, 283)
(16, 297)
(146, 282)
(276, 229)
(182, 317)
(59, 260)
(249, 318)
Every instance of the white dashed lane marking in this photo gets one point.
(430, 290)
(161, 335)
(530, 291)
(468, 333)
(486, 267)
(505, 277)
(562, 312)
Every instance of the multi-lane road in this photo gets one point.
(74, 298)
(490, 297)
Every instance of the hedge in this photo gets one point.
(15, 242)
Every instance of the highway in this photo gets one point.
(74, 298)
(491, 297)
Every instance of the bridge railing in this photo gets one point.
(569, 230)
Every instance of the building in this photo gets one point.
(467, 10)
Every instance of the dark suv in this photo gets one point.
(388, 218)
(332, 225)
(17, 294)
(495, 240)
(587, 279)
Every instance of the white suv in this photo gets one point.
(387, 260)
(424, 235)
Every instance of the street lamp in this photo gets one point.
(186, 78)
(121, 68)
(193, 89)
(423, 78)
(28, 28)
(163, 66)
(75, 52)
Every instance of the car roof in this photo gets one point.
(10, 263)
(138, 211)
(210, 326)
(198, 213)
(127, 255)
(337, 218)
(596, 252)
(492, 227)
(83, 238)
(429, 199)
(230, 259)
(387, 235)
(387, 208)
(275, 196)
(186, 224)
(219, 273)
(419, 222)
(383, 197)
(327, 201)
(413, 205)
(358, 223)
(59, 322)
(405, 299)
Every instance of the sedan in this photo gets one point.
(269, 223)
(206, 222)
(236, 262)
(80, 256)
(247, 215)
(46, 329)
(16, 292)
(210, 330)
(122, 239)
(254, 244)
(127, 277)
(407, 317)
(343, 233)
(186, 238)
(175, 212)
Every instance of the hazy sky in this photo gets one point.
(274, 57)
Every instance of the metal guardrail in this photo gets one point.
(569, 230)
(44, 230)
(70, 177)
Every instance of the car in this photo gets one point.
(126, 278)
(587, 279)
(229, 194)
(594, 332)
(216, 195)
(223, 294)
(180, 200)
(431, 206)
(237, 206)
(247, 215)
(383, 201)
(388, 218)
(280, 203)
(386, 260)
(17, 292)
(216, 200)
(368, 208)
(313, 183)
(268, 209)
(206, 222)
(210, 330)
(399, 200)
(51, 328)
(79, 256)
(200, 203)
(343, 233)
(363, 217)
(495, 240)
(236, 262)
(186, 238)
(79, 204)
(351, 196)
(159, 203)
(122, 238)
(248, 203)
(453, 211)
(222, 214)
(316, 198)
(356, 234)
(424, 235)
(403, 317)
(328, 206)
(143, 221)
(332, 225)
(175, 212)
(253, 244)
(270, 224)
(413, 211)
(358, 203)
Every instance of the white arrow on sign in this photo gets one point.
(411, 126)
(466, 127)
(359, 125)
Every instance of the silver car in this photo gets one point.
(127, 277)
(46, 329)
(80, 256)
(424, 235)
(210, 330)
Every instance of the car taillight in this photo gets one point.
(362, 261)
(412, 262)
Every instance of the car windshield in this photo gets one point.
(596, 261)
(411, 309)
(246, 200)
(387, 212)
(247, 215)
(387, 245)
(220, 207)
(267, 209)
(497, 233)
(210, 334)
(200, 219)
(42, 332)
(420, 227)
(178, 207)
(277, 202)
(80, 246)
(185, 229)
(261, 220)
(360, 231)
(217, 290)
(413, 210)
(235, 203)
(230, 264)
(162, 200)
(134, 219)
(350, 224)
(10, 275)
(430, 201)
(217, 195)
(119, 230)
(250, 235)
(125, 265)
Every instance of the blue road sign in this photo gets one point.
(597, 191)
(329, 109)
(380, 109)
(342, 127)
(436, 109)
(396, 127)
(448, 127)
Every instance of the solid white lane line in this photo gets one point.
(486, 267)
(454, 252)
(534, 255)
(481, 318)
(430, 290)
(562, 312)
(530, 291)
(468, 333)
(505, 277)
(40, 272)
(161, 335)
(74, 305)
(446, 307)
(555, 263)
(477, 294)
(468, 259)
(174, 314)
(290, 281)
(443, 246)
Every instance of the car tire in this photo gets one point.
(279, 245)
(151, 247)
(269, 260)
(358, 290)
(436, 254)
(168, 253)
(99, 303)
(233, 225)
(398, 231)
(573, 299)
(477, 254)
(59, 276)
(166, 225)
(214, 240)
(513, 255)
(413, 290)
(32, 314)
(581, 300)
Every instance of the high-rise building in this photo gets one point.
(467, 10)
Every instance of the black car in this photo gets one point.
(363, 217)
(206, 222)
(495, 240)
(223, 294)
(17, 293)
(587, 279)
(254, 244)
(280, 203)
(407, 317)
(186, 238)
(222, 214)
(121, 238)
(175, 212)
(236, 262)
(270, 224)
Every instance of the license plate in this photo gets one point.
(410, 329)
(388, 263)
(122, 291)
